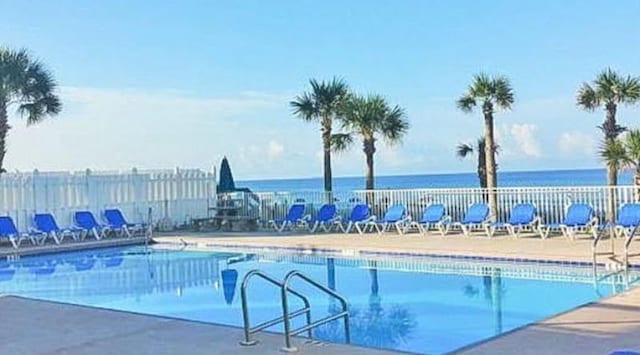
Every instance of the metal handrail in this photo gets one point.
(287, 318)
(612, 234)
(248, 330)
(626, 246)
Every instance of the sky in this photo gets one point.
(165, 84)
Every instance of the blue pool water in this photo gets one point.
(424, 305)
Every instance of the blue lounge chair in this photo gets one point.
(85, 220)
(325, 218)
(358, 219)
(396, 216)
(433, 216)
(627, 222)
(475, 218)
(9, 231)
(522, 218)
(579, 218)
(295, 217)
(45, 224)
(116, 221)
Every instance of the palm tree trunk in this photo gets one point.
(4, 129)
(490, 162)
(482, 168)
(611, 131)
(369, 151)
(612, 179)
(326, 147)
(610, 126)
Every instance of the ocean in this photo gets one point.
(583, 177)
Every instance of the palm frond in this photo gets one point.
(27, 83)
(587, 98)
(466, 103)
(325, 100)
(630, 90)
(394, 125)
(341, 141)
(371, 115)
(502, 92)
(632, 148)
(463, 150)
(304, 107)
(614, 154)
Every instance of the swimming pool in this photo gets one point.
(418, 304)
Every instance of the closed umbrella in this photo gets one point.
(229, 281)
(226, 183)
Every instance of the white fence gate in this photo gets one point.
(176, 196)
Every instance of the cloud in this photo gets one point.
(525, 140)
(274, 150)
(576, 143)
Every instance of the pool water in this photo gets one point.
(417, 304)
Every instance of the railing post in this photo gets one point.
(287, 322)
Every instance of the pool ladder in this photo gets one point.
(287, 315)
(613, 233)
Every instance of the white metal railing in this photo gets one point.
(551, 202)
(176, 196)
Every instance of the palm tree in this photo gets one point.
(322, 104)
(492, 93)
(464, 150)
(26, 83)
(370, 117)
(609, 90)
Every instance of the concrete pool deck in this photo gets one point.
(555, 248)
(40, 327)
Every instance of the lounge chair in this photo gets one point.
(396, 216)
(9, 231)
(325, 218)
(475, 218)
(116, 221)
(579, 218)
(433, 216)
(85, 220)
(45, 224)
(627, 222)
(358, 219)
(522, 218)
(295, 217)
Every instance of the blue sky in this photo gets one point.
(160, 84)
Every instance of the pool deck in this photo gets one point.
(40, 327)
(67, 245)
(596, 328)
(527, 247)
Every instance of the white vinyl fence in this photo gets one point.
(175, 196)
(551, 202)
